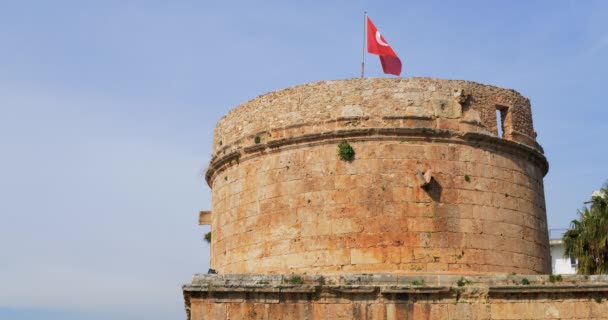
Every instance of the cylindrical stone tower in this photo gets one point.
(447, 177)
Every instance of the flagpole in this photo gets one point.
(363, 54)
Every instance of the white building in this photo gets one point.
(559, 263)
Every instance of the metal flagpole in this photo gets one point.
(363, 54)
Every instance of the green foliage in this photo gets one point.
(525, 281)
(208, 237)
(462, 282)
(467, 178)
(345, 151)
(321, 280)
(257, 140)
(418, 282)
(554, 278)
(295, 280)
(587, 238)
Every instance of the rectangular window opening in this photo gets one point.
(501, 113)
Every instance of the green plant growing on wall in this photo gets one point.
(525, 281)
(345, 151)
(295, 280)
(554, 278)
(462, 282)
(208, 237)
(467, 178)
(257, 140)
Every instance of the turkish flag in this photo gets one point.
(376, 44)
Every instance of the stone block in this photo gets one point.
(366, 255)
(345, 225)
(342, 311)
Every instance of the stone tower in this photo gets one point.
(440, 214)
(447, 177)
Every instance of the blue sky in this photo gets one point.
(107, 110)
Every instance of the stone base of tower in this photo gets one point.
(384, 296)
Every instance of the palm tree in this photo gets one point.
(587, 238)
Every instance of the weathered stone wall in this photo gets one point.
(287, 203)
(385, 297)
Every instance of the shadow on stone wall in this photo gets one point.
(434, 189)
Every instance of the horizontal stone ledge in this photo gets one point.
(299, 289)
(358, 132)
(414, 131)
(264, 289)
(355, 280)
(251, 288)
(319, 136)
(215, 164)
(254, 148)
(547, 288)
(344, 288)
(408, 117)
(352, 118)
(195, 288)
(414, 290)
(353, 289)
(312, 289)
(457, 136)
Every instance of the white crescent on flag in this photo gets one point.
(379, 39)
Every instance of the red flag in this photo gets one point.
(376, 44)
